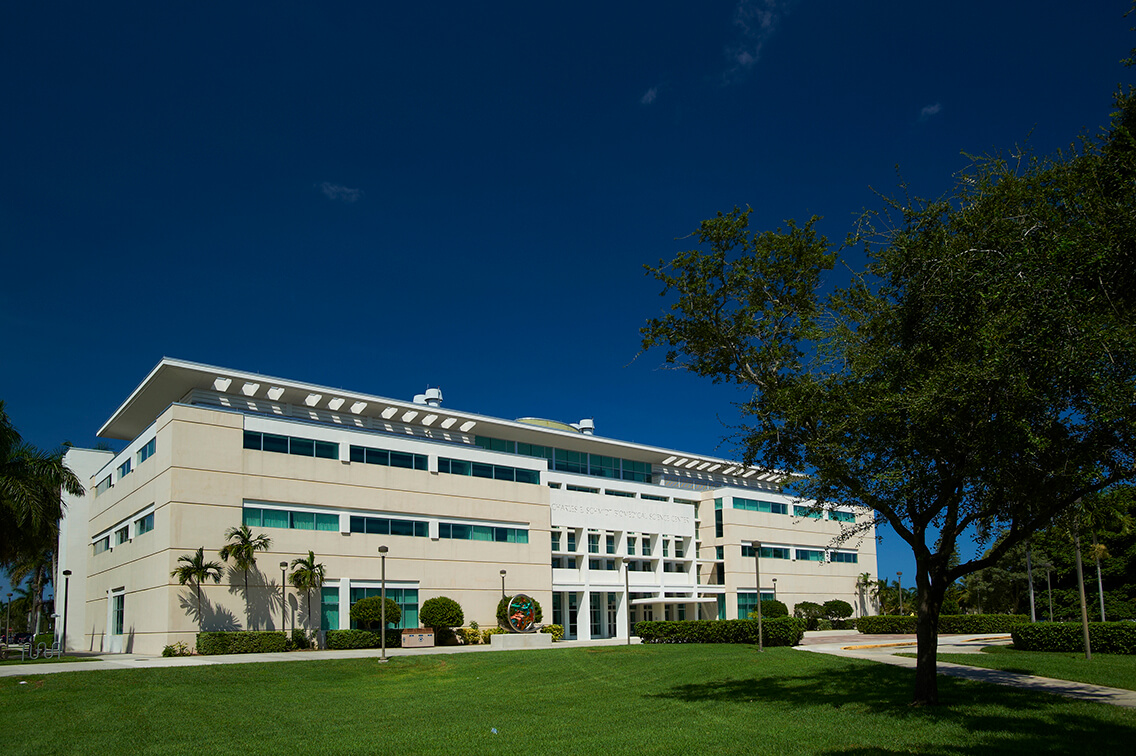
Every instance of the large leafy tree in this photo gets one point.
(32, 483)
(194, 570)
(241, 548)
(977, 375)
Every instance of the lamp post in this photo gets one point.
(899, 586)
(283, 598)
(383, 605)
(774, 589)
(66, 586)
(502, 584)
(757, 575)
(627, 595)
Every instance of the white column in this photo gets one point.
(584, 616)
(345, 604)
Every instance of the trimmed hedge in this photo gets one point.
(556, 631)
(341, 639)
(948, 623)
(241, 642)
(783, 631)
(1104, 637)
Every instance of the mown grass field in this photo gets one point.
(1113, 670)
(608, 700)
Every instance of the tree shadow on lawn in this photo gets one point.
(1000, 719)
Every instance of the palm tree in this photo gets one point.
(31, 486)
(194, 569)
(242, 547)
(863, 585)
(307, 575)
(37, 566)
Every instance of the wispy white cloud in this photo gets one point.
(930, 110)
(649, 96)
(338, 192)
(756, 21)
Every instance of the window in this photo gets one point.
(496, 444)
(645, 546)
(810, 555)
(718, 528)
(631, 546)
(812, 514)
(678, 549)
(144, 524)
(572, 540)
(329, 608)
(610, 543)
(124, 469)
(652, 497)
(753, 505)
(666, 548)
(555, 540)
(393, 526)
(121, 536)
(624, 494)
(103, 544)
(564, 562)
(842, 516)
(483, 470)
(387, 458)
(482, 533)
(118, 613)
(406, 598)
(846, 557)
(280, 518)
(747, 602)
(593, 543)
(147, 451)
(767, 552)
(103, 486)
(301, 447)
(570, 461)
(582, 489)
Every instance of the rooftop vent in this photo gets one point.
(587, 426)
(432, 397)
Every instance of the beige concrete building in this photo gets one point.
(464, 503)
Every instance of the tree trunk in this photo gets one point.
(1100, 584)
(1029, 575)
(930, 598)
(1081, 590)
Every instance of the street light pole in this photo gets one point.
(383, 599)
(774, 589)
(627, 596)
(502, 584)
(757, 575)
(66, 586)
(899, 586)
(283, 598)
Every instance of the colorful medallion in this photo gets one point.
(521, 614)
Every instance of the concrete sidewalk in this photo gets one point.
(883, 649)
(140, 661)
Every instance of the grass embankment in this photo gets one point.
(610, 700)
(1113, 670)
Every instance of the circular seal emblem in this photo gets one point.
(521, 613)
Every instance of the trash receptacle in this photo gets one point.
(418, 637)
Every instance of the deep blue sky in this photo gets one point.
(384, 198)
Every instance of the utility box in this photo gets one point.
(418, 637)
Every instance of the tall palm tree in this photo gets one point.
(867, 590)
(37, 566)
(307, 575)
(31, 486)
(194, 569)
(242, 547)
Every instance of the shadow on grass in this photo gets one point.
(999, 719)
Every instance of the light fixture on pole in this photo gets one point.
(283, 598)
(502, 584)
(899, 586)
(383, 606)
(757, 574)
(66, 585)
(774, 589)
(627, 595)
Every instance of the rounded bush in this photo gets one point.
(836, 609)
(771, 609)
(441, 611)
(368, 612)
(503, 607)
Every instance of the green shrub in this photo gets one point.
(299, 640)
(485, 634)
(836, 609)
(503, 607)
(810, 612)
(470, 636)
(441, 612)
(241, 642)
(771, 609)
(368, 612)
(824, 624)
(176, 649)
(556, 631)
(46, 639)
(1104, 637)
(341, 639)
(782, 631)
(950, 623)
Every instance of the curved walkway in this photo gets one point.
(883, 649)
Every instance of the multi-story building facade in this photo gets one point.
(468, 506)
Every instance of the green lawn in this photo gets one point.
(1113, 670)
(622, 700)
